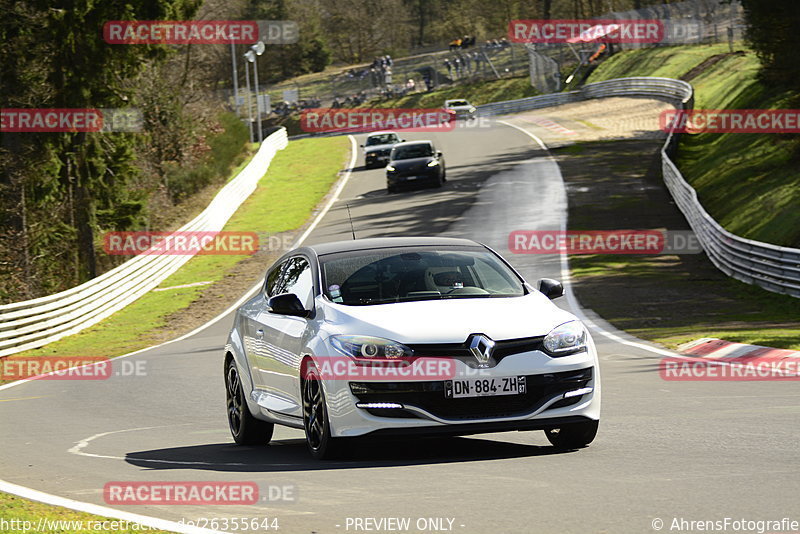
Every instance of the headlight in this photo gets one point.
(370, 348)
(472, 109)
(565, 339)
(390, 168)
(433, 163)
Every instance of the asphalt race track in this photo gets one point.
(692, 450)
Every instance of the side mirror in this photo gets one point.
(362, 146)
(438, 154)
(551, 289)
(402, 140)
(287, 304)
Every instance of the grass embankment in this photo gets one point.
(745, 181)
(297, 180)
(479, 92)
(18, 510)
(668, 299)
(749, 183)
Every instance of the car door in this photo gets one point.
(281, 338)
(254, 342)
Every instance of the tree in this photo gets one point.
(55, 57)
(772, 33)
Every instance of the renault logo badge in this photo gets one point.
(481, 347)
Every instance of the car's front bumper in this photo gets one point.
(463, 114)
(429, 174)
(425, 410)
(376, 158)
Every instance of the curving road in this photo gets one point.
(698, 451)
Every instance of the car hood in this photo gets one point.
(460, 108)
(448, 321)
(410, 164)
(375, 148)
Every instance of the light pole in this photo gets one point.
(256, 50)
(235, 80)
(248, 56)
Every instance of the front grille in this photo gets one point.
(429, 396)
(461, 351)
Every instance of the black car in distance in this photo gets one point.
(415, 162)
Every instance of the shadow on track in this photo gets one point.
(292, 455)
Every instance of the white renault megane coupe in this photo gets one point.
(405, 336)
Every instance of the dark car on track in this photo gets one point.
(414, 162)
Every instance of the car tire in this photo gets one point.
(316, 423)
(245, 429)
(573, 436)
(390, 190)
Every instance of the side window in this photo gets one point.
(296, 277)
(273, 278)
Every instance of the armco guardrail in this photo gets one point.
(642, 86)
(772, 267)
(35, 323)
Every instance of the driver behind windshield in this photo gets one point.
(413, 151)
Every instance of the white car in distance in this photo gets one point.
(460, 108)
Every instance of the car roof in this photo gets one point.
(417, 142)
(388, 242)
(381, 133)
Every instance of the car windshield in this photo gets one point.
(416, 273)
(422, 150)
(383, 139)
(459, 103)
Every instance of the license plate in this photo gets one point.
(411, 177)
(484, 387)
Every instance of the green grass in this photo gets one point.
(696, 302)
(21, 510)
(333, 82)
(749, 183)
(297, 180)
(668, 299)
(667, 62)
(480, 92)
